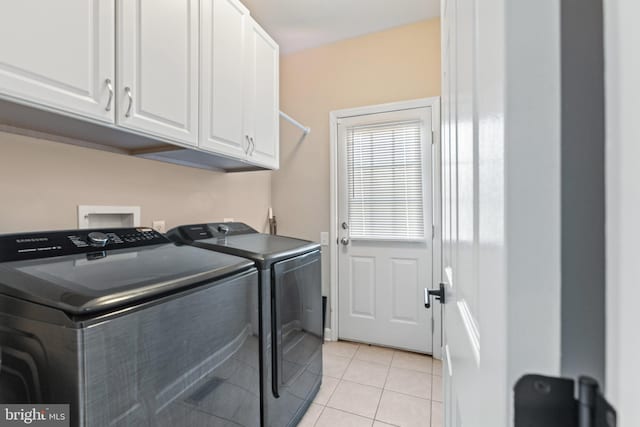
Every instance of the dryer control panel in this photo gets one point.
(17, 247)
(214, 229)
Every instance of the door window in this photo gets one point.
(385, 181)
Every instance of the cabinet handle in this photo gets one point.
(246, 150)
(110, 87)
(128, 92)
(253, 146)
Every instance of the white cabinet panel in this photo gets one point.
(222, 77)
(262, 100)
(158, 68)
(59, 55)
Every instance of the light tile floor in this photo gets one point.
(369, 386)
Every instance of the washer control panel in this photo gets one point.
(16, 247)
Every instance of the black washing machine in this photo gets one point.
(290, 280)
(129, 328)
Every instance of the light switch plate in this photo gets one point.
(160, 226)
(324, 238)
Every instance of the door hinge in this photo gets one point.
(433, 136)
(433, 327)
(433, 232)
(542, 401)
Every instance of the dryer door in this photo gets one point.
(297, 324)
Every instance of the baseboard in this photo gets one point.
(328, 334)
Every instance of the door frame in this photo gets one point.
(622, 207)
(334, 116)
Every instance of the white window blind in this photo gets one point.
(384, 173)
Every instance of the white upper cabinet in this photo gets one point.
(198, 73)
(222, 83)
(59, 55)
(262, 97)
(157, 57)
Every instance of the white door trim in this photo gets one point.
(434, 103)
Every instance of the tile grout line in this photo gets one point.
(406, 394)
(342, 380)
(375, 416)
(431, 400)
(319, 415)
(337, 385)
(432, 386)
(331, 395)
(348, 413)
(324, 407)
(353, 413)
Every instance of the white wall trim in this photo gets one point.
(328, 334)
(434, 103)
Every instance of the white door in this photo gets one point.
(262, 106)
(474, 322)
(158, 68)
(222, 77)
(501, 156)
(59, 55)
(385, 228)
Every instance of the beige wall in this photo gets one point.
(394, 65)
(43, 182)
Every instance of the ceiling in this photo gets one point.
(302, 24)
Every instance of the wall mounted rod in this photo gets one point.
(294, 122)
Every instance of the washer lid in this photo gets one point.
(107, 279)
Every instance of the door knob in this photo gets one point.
(344, 241)
(439, 294)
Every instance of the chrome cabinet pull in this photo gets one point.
(128, 92)
(253, 146)
(110, 87)
(246, 150)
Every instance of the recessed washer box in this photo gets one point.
(94, 216)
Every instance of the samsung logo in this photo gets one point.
(32, 240)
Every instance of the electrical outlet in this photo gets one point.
(324, 238)
(159, 226)
(228, 220)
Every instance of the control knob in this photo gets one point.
(224, 229)
(98, 239)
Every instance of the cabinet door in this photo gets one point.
(222, 80)
(59, 55)
(262, 101)
(158, 68)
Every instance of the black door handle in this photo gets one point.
(439, 294)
